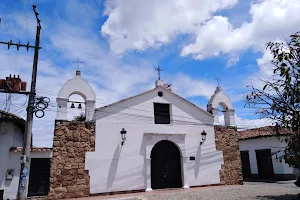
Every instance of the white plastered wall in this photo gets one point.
(272, 143)
(10, 136)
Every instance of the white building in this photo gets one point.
(11, 140)
(262, 155)
(162, 144)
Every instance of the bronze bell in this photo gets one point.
(79, 106)
(72, 106)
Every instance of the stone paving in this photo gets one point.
(248, 191)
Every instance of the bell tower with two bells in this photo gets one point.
(80, 87)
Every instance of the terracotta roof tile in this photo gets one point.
(9, 117)
(33, 149)
(266, 131)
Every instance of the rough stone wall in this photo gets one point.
(72, 140)
(227, 141)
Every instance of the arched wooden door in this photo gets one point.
(165, 166)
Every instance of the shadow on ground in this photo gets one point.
(280, 197)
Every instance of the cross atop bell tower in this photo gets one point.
(158, 69)
(158, 82)
(218, 81)
(78, 63)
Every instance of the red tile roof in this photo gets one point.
(266, 131)
(33, 149)
(9, 117)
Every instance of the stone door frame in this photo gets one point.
(179, 140)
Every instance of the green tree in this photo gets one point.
(279, 98)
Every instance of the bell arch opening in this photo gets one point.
(222, 108)
(220, 105)
(76, 108)
(77, 93)
(166, 166)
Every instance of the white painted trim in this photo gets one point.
(186, 187)
(179, 141)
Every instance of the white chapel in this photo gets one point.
(154, 140)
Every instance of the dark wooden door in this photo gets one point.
(1, 194)
(245, 164)
(265, 164)
(39, 178)
(165, 166)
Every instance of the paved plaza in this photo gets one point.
(248, 191)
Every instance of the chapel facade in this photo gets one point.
(154, 140)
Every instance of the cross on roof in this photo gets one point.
(218, 80)
(78, 62)
(158, 71)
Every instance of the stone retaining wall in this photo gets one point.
(228, 142)
(72, 140)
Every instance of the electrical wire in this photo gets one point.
(148, 119)
(149, 111)
(130, 118)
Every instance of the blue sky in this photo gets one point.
(121, 42)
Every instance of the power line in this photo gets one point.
(144, 118)
(149, 111)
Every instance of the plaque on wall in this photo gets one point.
(192, 158)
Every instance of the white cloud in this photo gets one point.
(266, 69)
(141, 24)
(105, 70)
(189, 87)
(271, 19)
(265, 65)
(159, 22)
(243, 124)
(232, 61)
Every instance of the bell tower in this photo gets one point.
(220, 98)
(78, 86)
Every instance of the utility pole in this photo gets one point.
(25, 158)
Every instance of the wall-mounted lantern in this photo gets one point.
(203, 135)
(9, 174)
(123, 135)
